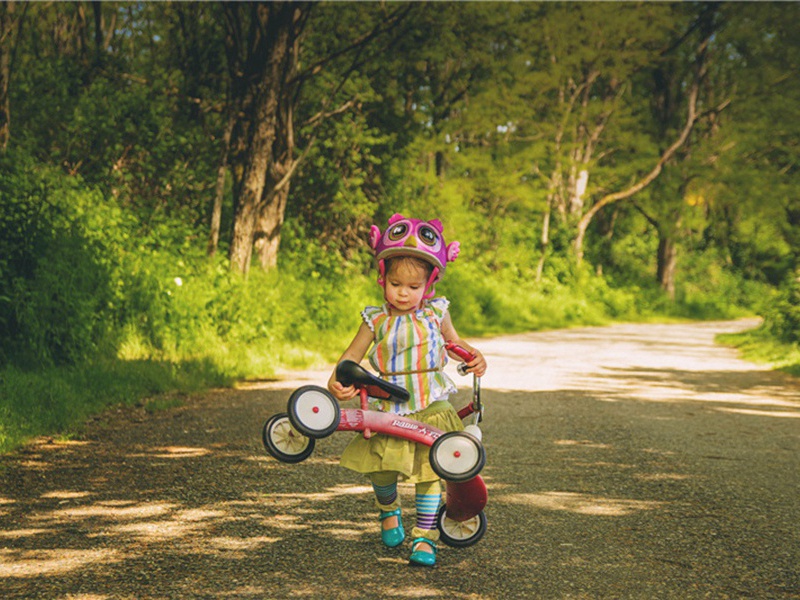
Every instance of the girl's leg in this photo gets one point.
(425, 534)
(385, 486)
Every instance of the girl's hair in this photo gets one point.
(410, 262)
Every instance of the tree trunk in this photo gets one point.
(270, 222)
(667, 255)
(250, 188)
(258, 73)
(7, 25)
(219, 191)
(700, 69)
(544, 243)
(647, 179)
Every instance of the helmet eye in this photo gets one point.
(398, 232)
(428, 236)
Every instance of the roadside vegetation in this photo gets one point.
(777, 341)
(598, 163)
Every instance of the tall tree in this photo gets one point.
(704, 24)
(260, 42)
(11, 18)
(264, 44)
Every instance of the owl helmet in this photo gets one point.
(413, 237)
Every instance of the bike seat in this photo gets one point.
(351, 373)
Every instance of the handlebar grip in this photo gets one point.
(462, 353)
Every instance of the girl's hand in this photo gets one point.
(478, 364)
(340, 392)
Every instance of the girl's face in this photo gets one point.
(404, 288)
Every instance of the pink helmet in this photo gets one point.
(413, 237)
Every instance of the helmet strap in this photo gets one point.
(381, 273)
(430, 287)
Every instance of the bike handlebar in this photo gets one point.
(462, 353)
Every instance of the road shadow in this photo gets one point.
(588, 498)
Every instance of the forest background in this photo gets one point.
(186, 188)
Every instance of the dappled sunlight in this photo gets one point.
(157, 531)
(761, 413)
(181, 524)
(65, 495)
(416, 592)
(582, 444)
(36, 563)
(193, 506)
(583, 504)
(172, 452)
(429, 592)
(112, 511)
(626, 363)
(349, 533)
(241, 543)
(22, 533)
(674, 386)
(36, 465)
(47, 443)
(327, 495)
(662, 477)
(601, 464)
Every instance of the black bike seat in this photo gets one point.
(351, 373)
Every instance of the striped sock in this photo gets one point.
(427, 509)
(386, 494)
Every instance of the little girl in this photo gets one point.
(408, 335)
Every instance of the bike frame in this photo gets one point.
(464, 499)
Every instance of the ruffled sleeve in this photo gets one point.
(371, 315)
(439, 307)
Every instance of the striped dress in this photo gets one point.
(405, 343)
(409, 351)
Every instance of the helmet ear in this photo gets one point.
(374, 236)
(395, 218)
(453, 249)
(437, 224)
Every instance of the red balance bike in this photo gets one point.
(457, 457)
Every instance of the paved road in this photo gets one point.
(633, 461)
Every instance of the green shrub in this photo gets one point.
(57, 270)
(782, 315)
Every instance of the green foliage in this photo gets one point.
(56, 274)
(467, 113)
(760, 345)
(782, 314)
(60, 399)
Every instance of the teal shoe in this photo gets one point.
(392, 537)
(420, 557)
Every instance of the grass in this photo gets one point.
(246, 332)
(756, 345)
(60, 400)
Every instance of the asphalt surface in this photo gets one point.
(632, 461)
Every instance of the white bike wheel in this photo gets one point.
(282, 441)
(313, 411)
(460, 534)
(457, 456)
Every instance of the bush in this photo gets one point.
(56, 271)
(782, 315)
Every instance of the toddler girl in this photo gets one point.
(407, 335)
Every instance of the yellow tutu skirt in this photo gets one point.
(382, 452)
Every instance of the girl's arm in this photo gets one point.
(355, 352)
(478, 364)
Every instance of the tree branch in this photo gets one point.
(691, 118)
